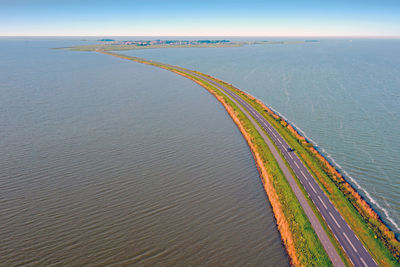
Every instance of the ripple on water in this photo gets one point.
(105, 165)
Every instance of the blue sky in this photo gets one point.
(199, 18)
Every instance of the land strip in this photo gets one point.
(349, 241)
(112, 45)
(373, 233)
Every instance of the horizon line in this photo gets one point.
(235, 36)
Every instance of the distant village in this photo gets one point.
(163, 42)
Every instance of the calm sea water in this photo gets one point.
(105, 161)
(343, 94)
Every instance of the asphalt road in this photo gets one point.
(352, 246)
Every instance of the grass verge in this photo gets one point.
(307, 248)
(378, 239)
(301, 242)
(373, 233)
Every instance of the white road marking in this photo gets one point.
(351, 244)
(365, 264)
(334, 220)
(296, 165)
(312, 188)
(362, 260)
(323, 203)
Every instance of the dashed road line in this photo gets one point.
(312, 188)
(334, 220)
(351, 244)
(296, 165)
(262, 121)
(362, 260)
(323, 203)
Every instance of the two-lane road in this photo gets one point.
(352, 246)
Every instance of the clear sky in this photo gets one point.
(200, 18)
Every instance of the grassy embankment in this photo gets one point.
(377, 238)
(305, 248)
(373, 233)
(299, 238)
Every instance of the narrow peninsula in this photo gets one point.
(322, 219)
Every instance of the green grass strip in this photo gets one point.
(375, 236)
(382, 245)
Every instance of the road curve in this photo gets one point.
(350, 243)
(346, 237)
(353, 247)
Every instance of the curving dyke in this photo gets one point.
(346, 237)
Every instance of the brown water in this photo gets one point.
(109, 162)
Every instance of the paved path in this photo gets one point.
(352, 246)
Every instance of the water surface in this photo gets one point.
(105, 161)
(343, 94)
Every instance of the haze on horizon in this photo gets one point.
(366, 18)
